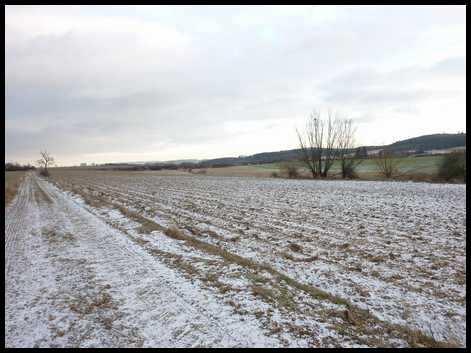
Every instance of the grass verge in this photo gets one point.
(12, 183)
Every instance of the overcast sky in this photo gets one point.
(135, 83)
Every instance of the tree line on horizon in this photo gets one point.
(15, 166)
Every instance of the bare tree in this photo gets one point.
(387, 164)
(311, 145)
(346, 142)
(330, 152)
(44, 162)
(325, 140)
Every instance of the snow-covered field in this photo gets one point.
(137, 259)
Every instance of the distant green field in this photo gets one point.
(409, 168)
(427, 165)
(407, 165)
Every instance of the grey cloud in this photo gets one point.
(451, 66)
(123, 79)
(396, 88)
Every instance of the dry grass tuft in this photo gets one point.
(86, 305)
(349, 317)
(263, 292)
(175, 233)
(56, 238)
(295, 247)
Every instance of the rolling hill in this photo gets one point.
(419, 144)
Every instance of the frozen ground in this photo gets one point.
(134, 259)
(72, 280)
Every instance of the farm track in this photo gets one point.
(97, 288)
(15, 228)
(266, 222)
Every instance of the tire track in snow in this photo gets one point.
(15, 227)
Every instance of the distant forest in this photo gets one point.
(10, 167)
(430, 142)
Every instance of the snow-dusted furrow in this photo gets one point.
(265, 223)
(265, 229)
(396, 249)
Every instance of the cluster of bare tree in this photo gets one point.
(327, 140)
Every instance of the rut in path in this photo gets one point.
(72, 280)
